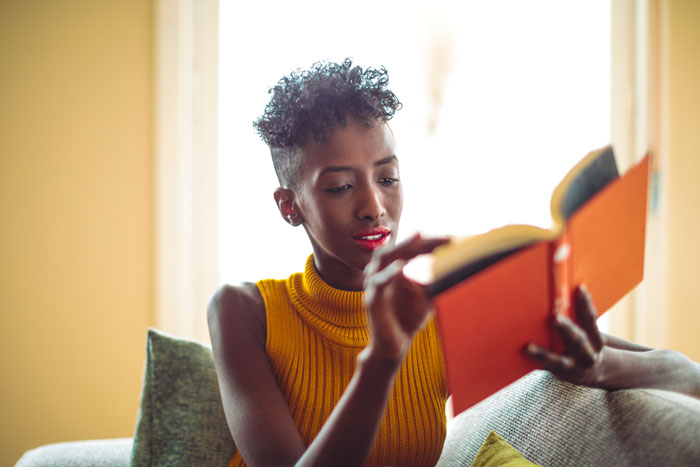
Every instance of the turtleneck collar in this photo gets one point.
(338, 315)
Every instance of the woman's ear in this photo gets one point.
(287, 206)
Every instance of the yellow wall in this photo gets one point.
(76, 223)
(682, 163)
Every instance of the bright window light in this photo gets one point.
(500, 99)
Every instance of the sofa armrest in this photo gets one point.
(556, 423)
(95, 453)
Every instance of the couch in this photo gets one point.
(550, 422)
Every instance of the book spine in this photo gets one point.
(561, 289)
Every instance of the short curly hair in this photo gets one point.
(311, 103)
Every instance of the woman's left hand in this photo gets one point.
(596, 360)
(584, 348)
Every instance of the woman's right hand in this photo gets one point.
(398, 307)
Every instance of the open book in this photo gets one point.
(496, 292)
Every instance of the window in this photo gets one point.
(500, 99)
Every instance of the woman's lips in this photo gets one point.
(371, 239)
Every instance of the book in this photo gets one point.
(496, 292)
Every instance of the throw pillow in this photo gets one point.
(497, 452)
(181, 418)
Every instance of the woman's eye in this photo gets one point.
(389, 181)
(339, 189)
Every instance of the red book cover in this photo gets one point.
(486, 319)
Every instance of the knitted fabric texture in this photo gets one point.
(314, 334)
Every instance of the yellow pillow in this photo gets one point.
(497, 452)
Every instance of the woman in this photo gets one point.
(341, 364)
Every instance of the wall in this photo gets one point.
(681, 142)
(76, 215)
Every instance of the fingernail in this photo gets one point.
(531, 348)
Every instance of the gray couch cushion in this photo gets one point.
(181, 421)
(97, 453)
(555, 423)
(181, 418)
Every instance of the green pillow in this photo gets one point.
(497, 452)
(181, 417)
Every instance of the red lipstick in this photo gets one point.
(371, 239)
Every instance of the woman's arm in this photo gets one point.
(593, 359)
(397, 309)
(622, 344)
(656, 369)
(258, 417)
(256, 411)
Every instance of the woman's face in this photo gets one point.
(349, 199)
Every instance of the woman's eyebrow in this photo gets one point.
(343, 168)
(335, 168)
(386, 160)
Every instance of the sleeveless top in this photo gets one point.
(314, 334)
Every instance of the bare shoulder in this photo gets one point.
(237, 311)
(256, 410)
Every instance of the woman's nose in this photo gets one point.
(370, 206)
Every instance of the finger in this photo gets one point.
(576, 341)
(376, 282)
(587, 316)
(383, 276)
(549, 360)
(395, 300)
(414, 246)
(406, 250)
(410, 291)
(413, 305)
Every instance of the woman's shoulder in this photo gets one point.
(236, 296)
(234, 309)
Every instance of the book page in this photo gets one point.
(593, 173)
(464, 252)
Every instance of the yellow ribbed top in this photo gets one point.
(314, 333)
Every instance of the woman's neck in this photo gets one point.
(336, 273)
